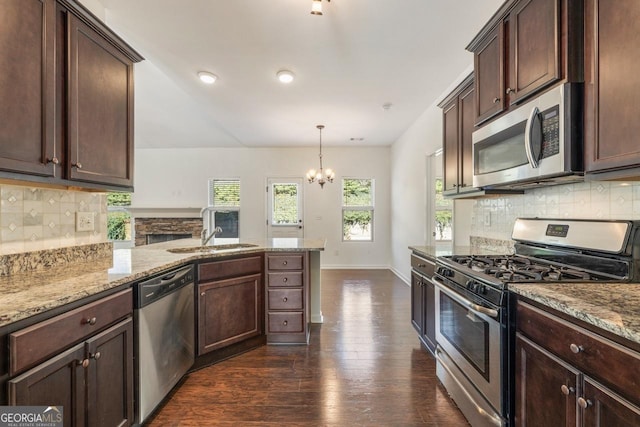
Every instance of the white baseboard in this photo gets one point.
(400, 276)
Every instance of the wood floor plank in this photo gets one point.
(363, 367)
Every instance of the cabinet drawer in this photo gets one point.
(285, 262)
(423, 265)
(284, 279)
(600, 358)
(229, 268)
(31, 345)
(285, 299)
(286, 322)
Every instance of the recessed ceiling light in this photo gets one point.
(285, 76)
(207, 77)
(359, 139)
(387, 106)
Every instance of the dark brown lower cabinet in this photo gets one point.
(92, 381)
(423, 304)
(561, 370)
(229, 311)
(540, 377)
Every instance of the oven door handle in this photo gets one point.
(478, 309)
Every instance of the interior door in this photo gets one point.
(284, 207)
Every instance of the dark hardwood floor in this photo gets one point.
(363, 366)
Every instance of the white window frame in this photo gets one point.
(212, 208)
(369, 208)
(125, 208)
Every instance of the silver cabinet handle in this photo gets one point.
(576, 348)
(509, 90)
(496, 100)
(285, 299)
(284, 263)
(53, 160)
(89, 321)
(478, 309)
(95, 356)
(584, 403)
(567, 390)
(77, 165)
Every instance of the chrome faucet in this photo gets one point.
(205, 239)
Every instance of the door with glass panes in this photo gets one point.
(284, 207)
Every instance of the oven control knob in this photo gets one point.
(443, 271)
(482, 289)
(471, 285)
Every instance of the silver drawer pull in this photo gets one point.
(284, 262)
(584, 403)
(285, 299)
(567, 390)
(95, 356)
(89, 321)
(285, 279)
(576, 348)
(285, 323)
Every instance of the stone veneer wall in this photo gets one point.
(146, 226)
(35, 219)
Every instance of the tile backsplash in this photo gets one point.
(40, 218)
(494, 217)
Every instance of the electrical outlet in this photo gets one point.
(85, 221)
(487, 219)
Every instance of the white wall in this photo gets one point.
(177, 178)
(409, 153)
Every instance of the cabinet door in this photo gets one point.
(429, 312)
(489, 75)
(451, 132)
(27, 86)
(605, 408)
(467, 121)
(612, 49)
(58, 382)
(229, 311)
(416, 302)
(100, 103)
(110, 376)
(534, 45)
(540, 398)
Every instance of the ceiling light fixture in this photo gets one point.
(316, 7)
(285, 76)
(207, 77)
(321, 176)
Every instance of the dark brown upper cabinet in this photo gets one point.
(100, 114)
(528, 46)
(67, 84)
(458, 118)
(27, 87)
(611, 125)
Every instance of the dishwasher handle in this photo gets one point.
(165, 283)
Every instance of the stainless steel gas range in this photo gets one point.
(472, 301)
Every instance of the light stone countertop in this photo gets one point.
(613, 307)
(26, 294)
(432, 252)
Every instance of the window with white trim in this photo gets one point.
(357, 209)
(118, 217)
(224, 207)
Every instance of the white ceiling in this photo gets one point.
(359, 55)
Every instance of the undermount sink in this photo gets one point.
(212, 248)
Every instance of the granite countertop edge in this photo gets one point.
(28, 294)
(612, 307)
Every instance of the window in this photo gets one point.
(285, 204)
(224, 207)
(444, 214)
(118, 218)
(357, 209)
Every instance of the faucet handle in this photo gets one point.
(218, 230)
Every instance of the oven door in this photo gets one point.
(470, 335)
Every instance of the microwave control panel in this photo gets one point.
(550, 131)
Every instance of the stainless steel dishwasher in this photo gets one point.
(164, 316)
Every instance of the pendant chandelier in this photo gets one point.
(322, 176)
(316, 7)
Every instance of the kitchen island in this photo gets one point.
(31, 293)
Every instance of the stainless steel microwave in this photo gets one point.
(539, 143)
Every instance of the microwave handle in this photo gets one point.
(533, 138)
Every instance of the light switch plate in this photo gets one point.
(85, 221)
(487, 219)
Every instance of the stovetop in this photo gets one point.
(516, 268)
